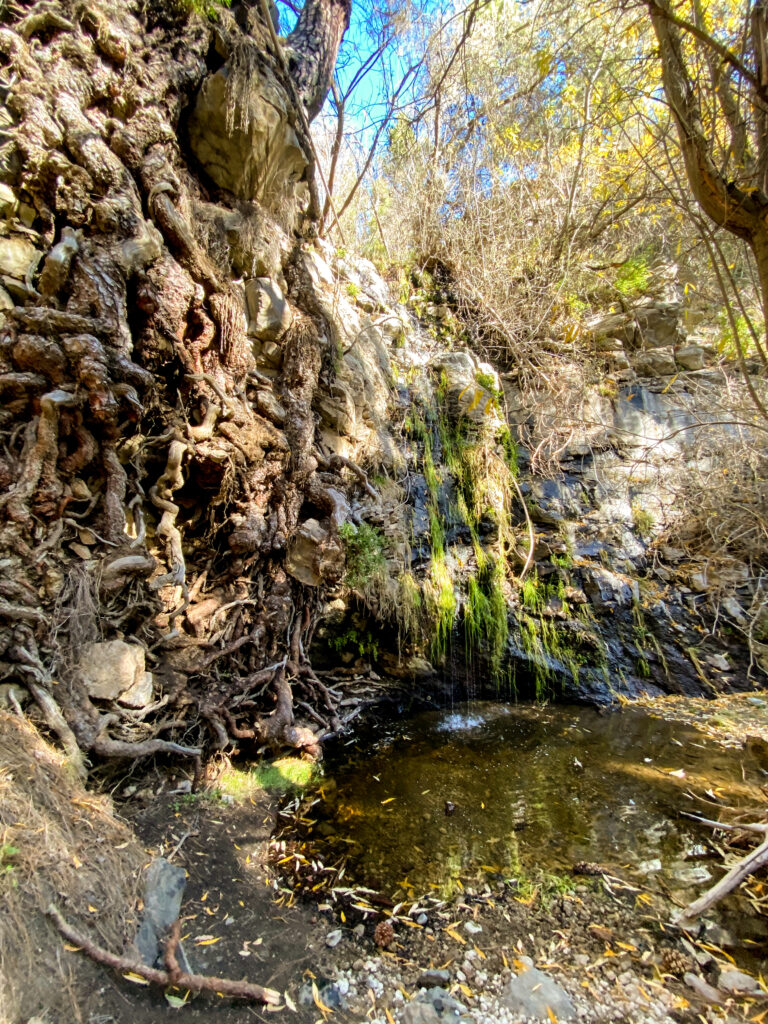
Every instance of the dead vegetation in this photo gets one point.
(59, 843)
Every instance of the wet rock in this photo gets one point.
(435, 1006)
(269, 315)
(534, 994)
(252, 150)
(163, 891)
(18, 257)
(314, 556)
(328, 992)
(112, 668)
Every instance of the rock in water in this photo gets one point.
(534, 994)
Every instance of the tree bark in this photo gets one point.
(312, 48)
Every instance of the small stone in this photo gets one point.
(359, 931)
(434, 978)
(472, 928)
(738, 983)
(422, 919)
(719, 661)
(333, 938)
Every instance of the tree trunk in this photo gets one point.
(312, 49)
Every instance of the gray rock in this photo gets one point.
(435, 1006)
(691, 357)
(698, 581)
(472, 928)
(333, 938)
(534, 994)
(18, 257)
(656, 362)
(719, 661)
(434, 979)
(112, 668)
(737, 982)
(269, 315)
(249, 149)
(609, 590)
(163, 892)
(314, 556)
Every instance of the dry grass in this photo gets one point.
(58, 843)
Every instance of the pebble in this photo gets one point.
(333, 938)
(472, 928)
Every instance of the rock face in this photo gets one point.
(242, 136)
(314, 555)
(269, 315)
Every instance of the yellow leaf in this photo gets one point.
(92, 909)
(389, 1016)
(72, 949)
(135, 978)
(552, 1016)
(466, 990)
(318, 1001)
(389, 800)
(208, 942)
(456, 936)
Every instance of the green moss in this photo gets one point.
(441, 605)
(485, 616)
(643, 520)
(364, 549)
(279, 776)
(362, 640)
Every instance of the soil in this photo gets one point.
(241, 920)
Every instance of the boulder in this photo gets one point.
(243, 137)
(534, 994)
(314, 556)
(269, 315)
(691, 357)
(655, 362)
(18, 257)
(112, 668)
(658, 325)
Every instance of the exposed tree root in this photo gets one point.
(173, 974)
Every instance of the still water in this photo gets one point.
(492, 790)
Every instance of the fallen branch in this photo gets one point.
(753, 861)
(173, 975)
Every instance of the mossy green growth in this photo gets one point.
(204, 8)
(279, 776)
(643, 520)
(365, 561)
(544, 642)
(487, 381)
(441, 605)
(485, 616)
(362, 640)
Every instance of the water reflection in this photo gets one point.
(530, 788)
